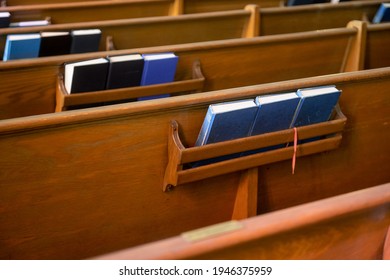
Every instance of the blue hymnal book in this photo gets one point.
(227, 121)
(275, 113)
(158, 69)
(20, 46)
(383, 14)
(316, 105)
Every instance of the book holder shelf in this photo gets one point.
(64, 99)
(179, 155)
(327, 136)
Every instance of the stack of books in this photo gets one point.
(19, 46)
(120, 72)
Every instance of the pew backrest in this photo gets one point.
(279, 20)
(344, 227)
(156, 31)
(224, 63)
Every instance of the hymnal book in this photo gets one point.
(18, 46)
(383, 13)
(227, 121)
(125, 71)
(305, 2)
(84, 41)
(158, 69)
(316, 105)
(54, 43)
(5, 18)
(84, 76)
(275, 112)
(30, 23)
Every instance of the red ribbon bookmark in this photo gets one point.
(295, 149)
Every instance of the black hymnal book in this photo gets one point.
(305, 2)
(5, 19)
(86, 76)
(125, 71)
(84, 41)
(54, 43)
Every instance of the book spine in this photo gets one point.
(205, 130)
(379, 15)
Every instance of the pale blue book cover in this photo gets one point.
(227, 121)
(19, 46)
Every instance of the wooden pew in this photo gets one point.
(29, 85)
(194, 6)
(82, 11)
(279, 20)
(134, 33)
(348, 226)
(90, 10)
(83, 183)
(156, 31)
(28, 2)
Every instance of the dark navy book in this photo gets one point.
(5, 18)
(84, 76)
(275, 113)
(84, 41)
(54, 43)
(383, 13)
(158, 69)
(305, 2)
(316, 105)
(125, 71)
(19, 46)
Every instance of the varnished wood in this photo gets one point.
(112, 160)
(355, 61)
(386, 246)
(378, 39)
(251, 28)
(235, 26)
(92, 10)
(279, 20)
(245, 205)
(84, 11)
(225, 64)
(349, 226)
(157, 31)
